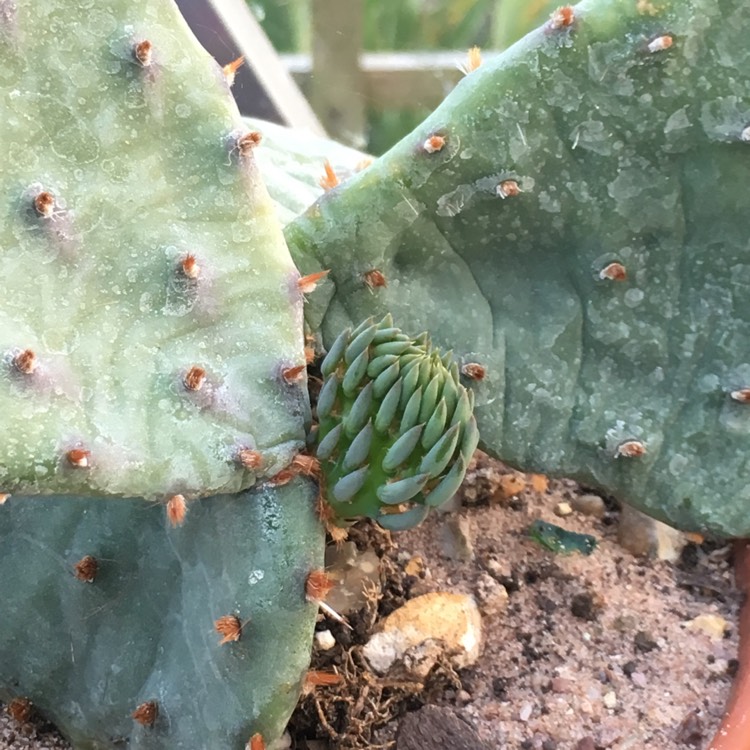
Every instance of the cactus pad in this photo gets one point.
(106, 610)
(396, 431)
(149, 307)
(573, 222)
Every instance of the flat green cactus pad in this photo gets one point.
(88, 653)
(150, 307)
(574, 219)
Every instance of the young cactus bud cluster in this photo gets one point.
(396, 430)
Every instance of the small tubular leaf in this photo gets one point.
(403, 521)
(382, 384)
(429, 399)
(328, 444)
(358, 451)
(441, 453)
(327, 396)
(354, 373)
(410, 381)
(359, 344)
(463, 408)
(470, 440)
(391, 347)
(435, 426)
(448, 486)
(389, 334)
(380, 363)
(335, 353)
(411, 412)
(402, 449)
(358, 415)
(388, 408)
(347, 487)
(395, 493)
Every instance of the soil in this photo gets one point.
(584, 653)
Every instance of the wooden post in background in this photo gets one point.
(336, 86)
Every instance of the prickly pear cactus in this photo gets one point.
(150, 327)
(572, 221)
(396, 431)
(202, 631)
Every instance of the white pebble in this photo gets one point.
(325, 640)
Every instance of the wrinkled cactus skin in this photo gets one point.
(396, 431)
(87, 654)
(122, 158)
(621, 139)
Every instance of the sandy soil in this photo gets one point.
(583, 653)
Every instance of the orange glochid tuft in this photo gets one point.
(194, 378)
(86, 569)
(25, 362)
(317, 586)
(189, 267)
(308, 466)
(143, 52)
(295, 374)
(330, 179)
(474, 371)
(146, 713)
(176, 510)
(44, 204)
(308, 284)
(230, 69)
(434, 144)
(472, 62)
(79, 458)
(665, 41)
(375, 279)
(230, 627)
(508, 189)
(562, 18)
(614, 272)
(630, 449)
(20, 709)
(282, 477)
(250, 459)
(248, 142)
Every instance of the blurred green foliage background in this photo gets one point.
(410, 25)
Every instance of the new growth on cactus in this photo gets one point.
(396, 430)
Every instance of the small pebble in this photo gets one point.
(456, 539)
(561, 685)
(589, 505)
(325, 640)
(639, 679)
(585, 606)
(610, 699)
(712, 625)
(526, 710)
(491, 595)
(644, 642)
(563, 509)
(587, 743)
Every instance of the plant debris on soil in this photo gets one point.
(580, 652)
